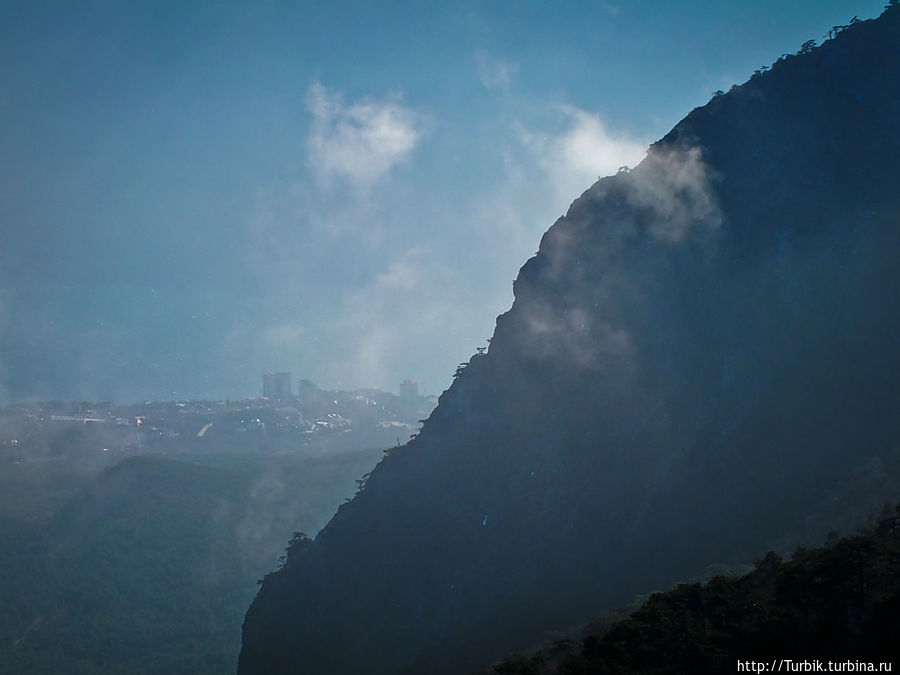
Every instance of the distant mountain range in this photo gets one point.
(700, 365)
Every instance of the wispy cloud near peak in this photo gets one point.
(582, 151)
(360, 142)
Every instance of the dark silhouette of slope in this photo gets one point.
(700, 363)
(838, 602)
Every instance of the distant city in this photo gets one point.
(284, 417)
(277, 386)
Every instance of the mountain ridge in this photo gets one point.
(673, 377)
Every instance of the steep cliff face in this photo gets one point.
(700, 363)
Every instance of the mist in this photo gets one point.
(401, 339)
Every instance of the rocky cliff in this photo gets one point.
(700, 363)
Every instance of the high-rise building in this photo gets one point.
(277, 386)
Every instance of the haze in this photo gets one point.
(193, 194)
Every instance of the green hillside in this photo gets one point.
(838, 602)
(149, 568)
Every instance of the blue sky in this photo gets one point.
(194, 193)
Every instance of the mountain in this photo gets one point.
(818, 606)
(700, 363)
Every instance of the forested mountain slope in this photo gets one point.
(700, 363)
(839, 602)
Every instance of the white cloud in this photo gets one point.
(400, 306)
(676, 187)
(360, 142)
(495, 74)
(545, 169)
(584, 150)
(284, 334)
(402, 275)
(610, 8)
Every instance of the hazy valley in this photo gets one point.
(134, 536)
